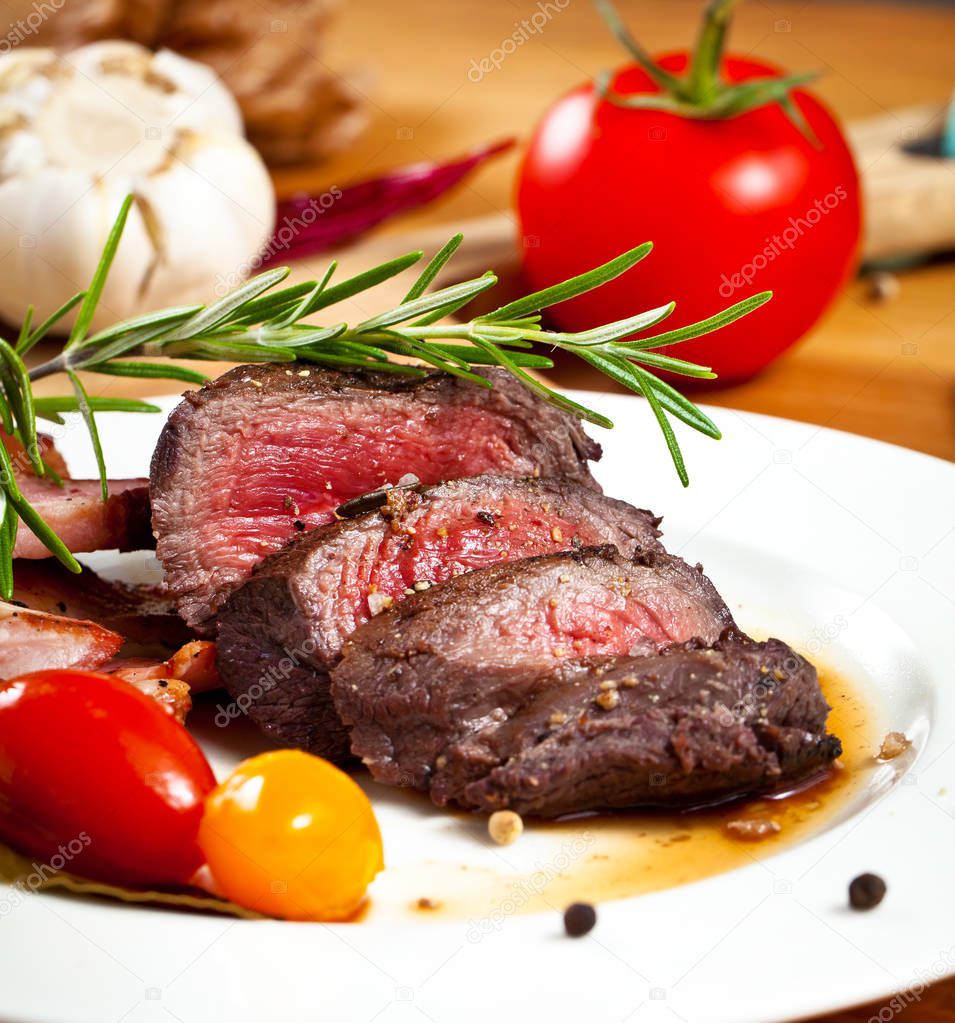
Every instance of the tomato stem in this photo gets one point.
(668, 82)
(701, 92)
(705, 68)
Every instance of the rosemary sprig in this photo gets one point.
(264, 321)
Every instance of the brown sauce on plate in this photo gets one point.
(601, 857)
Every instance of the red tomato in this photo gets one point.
(99, 780)
(733, 207)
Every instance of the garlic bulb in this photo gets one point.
(81, 130)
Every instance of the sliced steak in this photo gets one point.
(450, 660)
(82, 520)
(283, 629)
(268, 450)
(689, 726)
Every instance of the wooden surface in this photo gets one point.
(885, 370)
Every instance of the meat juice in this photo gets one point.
(603, 857)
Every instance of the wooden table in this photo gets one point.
(885, 370)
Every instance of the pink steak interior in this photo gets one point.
(277, 480)
(437, 540)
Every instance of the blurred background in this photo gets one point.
(386, 127)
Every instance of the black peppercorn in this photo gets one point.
(579, 919)
(866, 891)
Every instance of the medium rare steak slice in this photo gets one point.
(448, 661)
(689, 726)
(268, 450)
(283, 629)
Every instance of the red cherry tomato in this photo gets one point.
(733, 207)
(99, 780)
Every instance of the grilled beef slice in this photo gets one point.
(448, 661)
(266, 451)
(282, 630)
(688, 726)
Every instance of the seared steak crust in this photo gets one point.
(474, 650)
(689, 726)
(282, 631)
(268, 450)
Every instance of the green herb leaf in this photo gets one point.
(151, 370)
(86, 411)
(707, 326)
(363, 281)
(91, 299)
(433, 268)
(47, 325)
(433, 301)
(571, 288)
(212, 315)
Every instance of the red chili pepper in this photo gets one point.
(308, 224)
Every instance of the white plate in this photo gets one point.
(841, 545)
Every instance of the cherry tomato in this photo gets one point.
(733, 207)
(291, 836)
(99, 780)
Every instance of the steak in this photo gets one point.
(473, 650)
(689, 726)
(282, 631)
(266, 451)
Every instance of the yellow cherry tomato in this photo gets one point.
(291, 836)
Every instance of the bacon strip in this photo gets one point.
(144, 616)
(21, 461)
(33, 641)
(78, 515)
(171, 682)
(151, 678)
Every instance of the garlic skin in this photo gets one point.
(81, 130)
